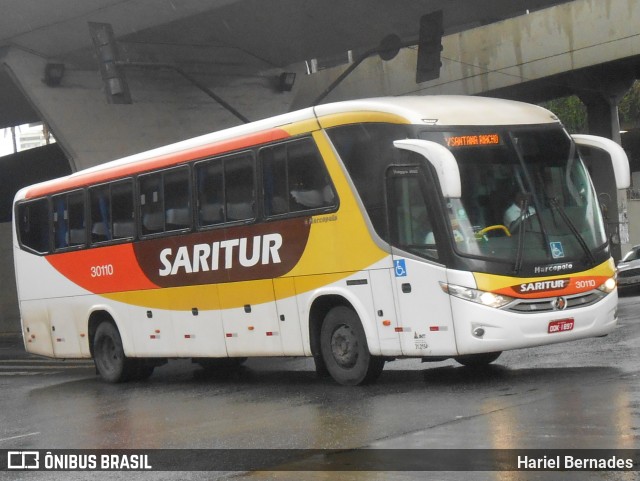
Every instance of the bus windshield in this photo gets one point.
(523, 191)
(527, 197)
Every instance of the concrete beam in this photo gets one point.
(166, 107)
(568, 37)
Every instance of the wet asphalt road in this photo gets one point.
(584, 394)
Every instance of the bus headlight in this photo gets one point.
(474, 295)
(608, 286)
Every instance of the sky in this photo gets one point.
(6, 143)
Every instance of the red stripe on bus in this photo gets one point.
(162, 161)
(537, 290)
(103, 270)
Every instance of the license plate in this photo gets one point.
(561, 325)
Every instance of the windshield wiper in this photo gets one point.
(524, 213)
(555, 204)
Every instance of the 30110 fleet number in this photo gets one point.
(586, 284)
(102, 271)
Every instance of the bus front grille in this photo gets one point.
(530, 306)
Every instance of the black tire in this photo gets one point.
(108, 355)
(345, 351)
(478, 360)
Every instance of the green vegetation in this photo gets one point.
(573, 113)
(629, 107)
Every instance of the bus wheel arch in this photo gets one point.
(317, 313)
(108, 354)
(95, 319)
(107, 350)
(339, 343)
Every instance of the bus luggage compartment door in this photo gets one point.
(251, 322)
(36, 328)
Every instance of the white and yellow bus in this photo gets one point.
(355, 232)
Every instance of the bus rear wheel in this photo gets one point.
(345, 351)
(478, 360)
(109, 358)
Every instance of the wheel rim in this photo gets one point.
(344, 346)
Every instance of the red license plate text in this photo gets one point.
(561, 325)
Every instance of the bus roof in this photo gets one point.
(422, 110)
(442, 110)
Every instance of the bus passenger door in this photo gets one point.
(425, 320)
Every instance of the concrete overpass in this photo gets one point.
(237, 48)
(527, 49)
(586, 47)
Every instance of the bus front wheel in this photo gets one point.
(108, 355)
(478, 360)
(344, 349)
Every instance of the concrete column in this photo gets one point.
(603, 120)
(9, 314)
(602, 114)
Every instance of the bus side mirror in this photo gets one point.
(442, 160)
(619, 159)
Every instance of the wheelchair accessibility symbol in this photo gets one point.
(556, 250)
(400, 268)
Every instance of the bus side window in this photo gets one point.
(33, 225)
(77, 231)
(177, 199)
(210, 182)
(274, 174)
(68, 220)
(309, 184)
(409, 217)
(226, 189)
(122, 209)
(295, 178)
(60, 239)
(112, 211)
(165, 201)
(239, 188)
(100, 201)
(151, 205)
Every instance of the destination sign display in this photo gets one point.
(474, 140)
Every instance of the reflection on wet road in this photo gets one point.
(579, 395)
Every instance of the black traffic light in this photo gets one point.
(429, 47)
(106, 49)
